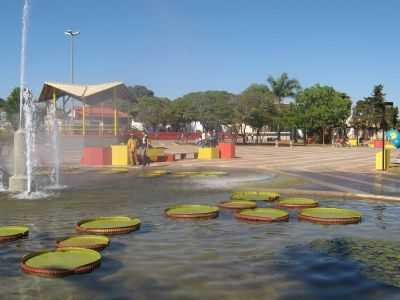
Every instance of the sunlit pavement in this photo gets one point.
(341, 169)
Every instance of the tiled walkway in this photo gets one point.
(341, 169)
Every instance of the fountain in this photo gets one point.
(55, 175)
(22, 178)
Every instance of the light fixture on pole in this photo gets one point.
(384, 105)
(71, 34)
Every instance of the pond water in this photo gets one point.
(221, 258)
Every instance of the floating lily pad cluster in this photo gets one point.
(79, 254)
(308, 209)
(245, 206)
(158, 173)
(75, 254)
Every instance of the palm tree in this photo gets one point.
(283, 87)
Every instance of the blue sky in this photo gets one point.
(178, 46)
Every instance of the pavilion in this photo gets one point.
(90, 95)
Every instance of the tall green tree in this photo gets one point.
(256, 107)
(367, 113)
(283, 87)
(151, 111)
(211, 108)
(322, 108)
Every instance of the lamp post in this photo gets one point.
(71, 34)
(384, 105)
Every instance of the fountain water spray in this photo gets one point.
(29, 115)
(19, 182)
(54, 139)
(25, 19)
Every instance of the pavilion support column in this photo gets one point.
(116, 129)
(83, 120)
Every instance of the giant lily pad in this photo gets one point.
(95, 242)
(210, 173)
(109, 225)
(255, 195)
(238, 204)
(185, 173)
(192, 211)
(61, 262)
(156, 173)
(11, 233)
(330, 215)
(262, 215)
(297, 203)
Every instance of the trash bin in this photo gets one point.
(226, 150)
(378, 160)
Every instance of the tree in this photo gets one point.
(367, 113)
(283, 87)
(322, 107)
(256, 108)
(151, 111)
(11, 107)
(211, 108)
(139, 91)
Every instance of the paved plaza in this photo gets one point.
(350, 170)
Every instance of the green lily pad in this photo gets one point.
(330, 215)
(331, 212)
(109, 225)
(238, 204)
(210, 173)
(63, 259)
(297, 202)
(114, 171)
(186, 173)
(255, 195)
(6, 231)
(110, 222)
(192, 211)
(96, 242)
(156, 173)
(272, 213)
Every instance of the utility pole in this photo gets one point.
(71, 34)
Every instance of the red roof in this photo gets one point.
(94, 111)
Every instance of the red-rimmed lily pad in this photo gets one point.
(262, 215)
(192, 211)
(94, 242)
(61, 262)
(330, 215)
(295, 202)
(12, 233)
(155, 173)
(238, 204)
(109, 225)
(255, 195)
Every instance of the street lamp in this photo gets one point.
(71, 34)
(384, 105)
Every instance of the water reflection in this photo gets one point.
(168, 259)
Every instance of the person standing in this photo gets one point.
(145, 145)
(132, 148)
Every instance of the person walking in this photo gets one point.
(145, 145)
(132, 151)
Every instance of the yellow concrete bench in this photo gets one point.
(208, 153)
